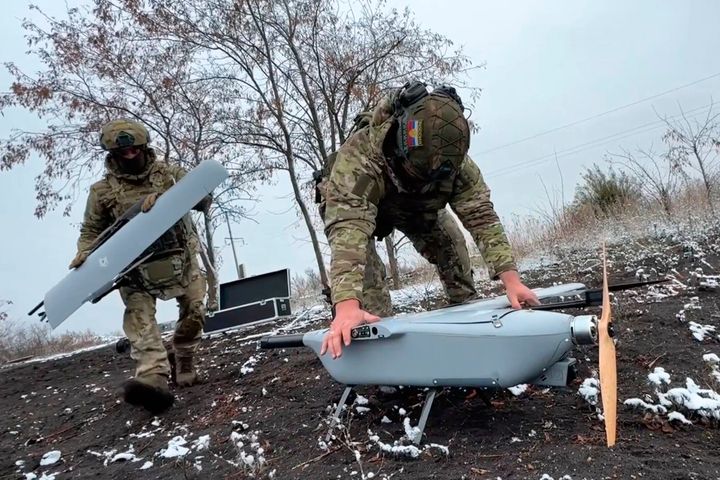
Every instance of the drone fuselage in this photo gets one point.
(461, 346)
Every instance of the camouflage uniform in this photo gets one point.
(364, 198)
(443, 245)
(109, 199)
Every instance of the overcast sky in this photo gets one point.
(548, 64)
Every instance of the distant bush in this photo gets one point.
(606, 193)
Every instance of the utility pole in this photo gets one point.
(240, 270)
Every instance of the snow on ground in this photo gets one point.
(412, 297)
(304, 318)
(693, 305)
(679, 403)
(251, 455)
(518, 390)
(589, 390)
(175, 448)
(409, 445)
(181, 442)
(659, 376)
(403, 447)
(701, 332)
(50, 457)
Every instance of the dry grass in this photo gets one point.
(578, 225)
(19, 341)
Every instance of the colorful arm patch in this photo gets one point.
(414, 133)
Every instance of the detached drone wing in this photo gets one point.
(564, 290)
(608, 362)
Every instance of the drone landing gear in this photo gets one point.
(425, 412)
(427, 405)
(336, 416)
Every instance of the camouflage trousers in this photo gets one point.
(142, 330)
(443, 244)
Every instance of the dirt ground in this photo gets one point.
(284, 398)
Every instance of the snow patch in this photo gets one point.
(50, 457)
(248, 366)
(413, 433)
(202, 443)
(701, 331)
(518, 390)
(690, 400)
(679, 417)
(175, 448)
(711, 358)
(589, 390)
(659, 376)
(403, 446)
(253, 460)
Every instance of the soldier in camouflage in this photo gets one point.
(133, 175)
(401, 170)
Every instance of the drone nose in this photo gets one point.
(584, 330)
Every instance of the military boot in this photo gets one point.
(185, 372)
(150, 392)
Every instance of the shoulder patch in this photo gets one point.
(413, 129)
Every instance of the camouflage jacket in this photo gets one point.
(359, 193)
(116, 193)
(112, 196)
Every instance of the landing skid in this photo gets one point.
(427, 405)
(336, 416)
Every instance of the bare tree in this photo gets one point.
(392, 260)
(101, 64)
(657, 174)
(393, 246)
(281, 79)
(301, 69)
(3, 306)
(694, 144)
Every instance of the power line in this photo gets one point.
(592, 143)
(647, 127)
(577, 122)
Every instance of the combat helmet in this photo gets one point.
(123, 133)
(433, 135)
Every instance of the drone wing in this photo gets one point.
(566, 289)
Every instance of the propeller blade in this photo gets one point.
(608, 363)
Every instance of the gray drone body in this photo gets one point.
(483, 343)
(478, 344)
(119, 253)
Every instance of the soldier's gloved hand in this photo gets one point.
(78, 260)
(516, 291)
(149, 202)
(348, 315)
